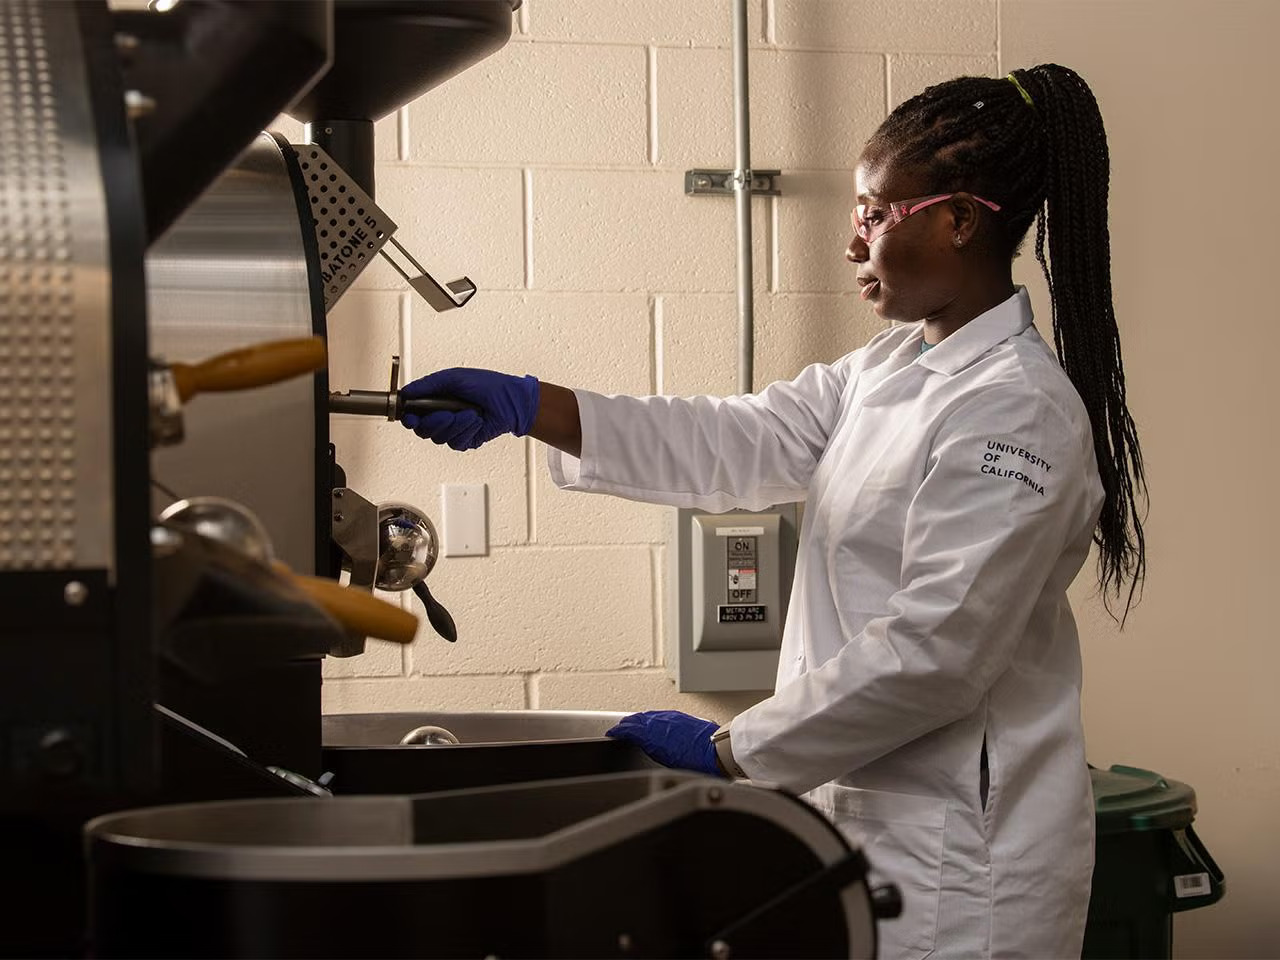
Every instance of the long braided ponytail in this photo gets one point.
(1035, 143)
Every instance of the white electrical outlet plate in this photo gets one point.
(464, 507)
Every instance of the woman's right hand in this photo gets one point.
(506, 404)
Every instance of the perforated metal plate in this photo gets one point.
(350, 227)
(55, 401)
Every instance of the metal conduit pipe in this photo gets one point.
(742, 199)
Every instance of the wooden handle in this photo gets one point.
(256, 366)
(361, 613)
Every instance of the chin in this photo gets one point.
(885, 311)
(892, 312)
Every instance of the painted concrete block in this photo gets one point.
(534, 608)
(635, 690)
(909, 74)
(386, 139)
(595, 341)
(791, 331)
(661, 22)
(364, 333)
(814, 231)
(700, 353)
(810, 110)
(811, 328)
(617, 230)
(385, 462)
(380, 658)
(699, 342)
(453, 222)
(564, 518)
(930, 26)
(533, 103)
(423, 694)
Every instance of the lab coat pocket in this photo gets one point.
(902, 836)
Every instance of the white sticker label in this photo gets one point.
(1192, 885)
(744, 579)
(739, 531)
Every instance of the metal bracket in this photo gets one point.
(350, 228)
(453, 294)
(724, 183)
(395, 382)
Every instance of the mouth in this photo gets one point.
(870, 286)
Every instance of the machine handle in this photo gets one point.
(255, 366)
(437, 615)
(360, 613)
(886, 902)
(425, 405)
(379, 403)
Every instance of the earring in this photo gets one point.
(957, 241)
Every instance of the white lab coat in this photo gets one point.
(951, 499)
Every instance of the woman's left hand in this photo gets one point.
(672, 738)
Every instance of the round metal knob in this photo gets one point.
(407, 546)
(225, 521)
(429, 735)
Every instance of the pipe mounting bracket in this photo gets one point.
(723, 183)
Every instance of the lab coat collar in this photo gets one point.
(1005, 320)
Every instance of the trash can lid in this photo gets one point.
(1130, 799)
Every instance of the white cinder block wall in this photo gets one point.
(552, 175)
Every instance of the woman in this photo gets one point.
(955, 474)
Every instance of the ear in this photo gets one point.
(964, 219)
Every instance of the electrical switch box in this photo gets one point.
(729, 580)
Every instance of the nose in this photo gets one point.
(857, 251)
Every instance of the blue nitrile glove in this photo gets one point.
(507, 405)
(672, 738)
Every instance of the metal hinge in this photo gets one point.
(723, 183)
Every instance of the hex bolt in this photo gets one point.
(337, 518)
(702, 181)
(337, 494)
(75, 593)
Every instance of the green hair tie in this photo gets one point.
(1025, 96)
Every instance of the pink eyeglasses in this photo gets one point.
(872, 221)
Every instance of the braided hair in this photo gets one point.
(1034, 142)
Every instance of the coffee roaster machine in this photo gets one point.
(179, 548)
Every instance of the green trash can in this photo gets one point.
(1149, 865)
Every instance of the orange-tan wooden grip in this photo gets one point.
(255, 366)
(360, 613)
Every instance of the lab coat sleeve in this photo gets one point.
(708, 452)
(979, 548)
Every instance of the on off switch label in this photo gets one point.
(741, 579)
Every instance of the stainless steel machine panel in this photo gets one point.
(232, 271)
(56, 489)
